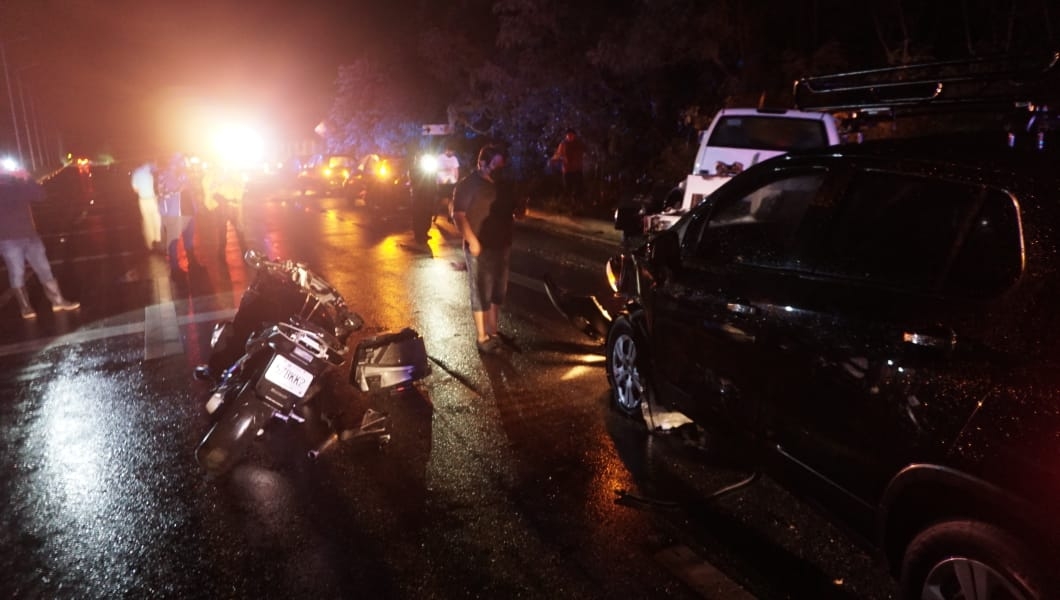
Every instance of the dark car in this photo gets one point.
(380, 182)
(325, 174)
(877, 324)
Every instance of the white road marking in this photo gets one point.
(161, 333)
(159, 325)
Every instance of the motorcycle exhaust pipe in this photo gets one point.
(330, 441)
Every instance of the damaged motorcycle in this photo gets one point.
(293, 330)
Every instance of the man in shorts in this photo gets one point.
(486, 253)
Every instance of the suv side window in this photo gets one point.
(758, 227)
(899, 230)
(991, 257)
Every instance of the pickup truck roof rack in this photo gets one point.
(1020, 87)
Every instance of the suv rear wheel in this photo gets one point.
(625, 367)
(957, 560)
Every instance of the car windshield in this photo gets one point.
(769, 133)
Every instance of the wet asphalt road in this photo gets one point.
(502, 479)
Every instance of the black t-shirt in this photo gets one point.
(498, 228)
(474, 196)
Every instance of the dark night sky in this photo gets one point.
(125, 76)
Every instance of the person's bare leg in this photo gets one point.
(480, 325)
(490, 320)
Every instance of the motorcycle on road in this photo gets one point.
(279, 290)
(292, 331)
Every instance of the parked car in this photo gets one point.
(380, 182)
(877, 324)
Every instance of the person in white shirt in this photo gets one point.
(143, 183)
(448, 175)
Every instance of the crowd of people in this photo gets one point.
(170, 197)
(172, 192)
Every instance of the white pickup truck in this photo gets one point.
(738, 138)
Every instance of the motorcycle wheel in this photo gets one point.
(228, 439)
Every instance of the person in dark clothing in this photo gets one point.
(424, 200)
(223, 191)
(20, 243)
(177, 195)
(485, 250)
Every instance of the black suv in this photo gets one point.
(880, 324)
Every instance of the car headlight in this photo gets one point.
(429, 163)
(614, 274)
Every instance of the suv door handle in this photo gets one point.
(944, 340)
(740, 308)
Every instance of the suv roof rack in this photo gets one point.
(978, 83)
(1022, 86)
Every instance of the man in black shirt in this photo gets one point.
(486, 246)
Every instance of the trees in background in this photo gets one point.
(639, 78)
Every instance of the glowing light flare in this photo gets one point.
(9, 164)
(429, 163)
(239, 145)
(382, 171)
(228, 132)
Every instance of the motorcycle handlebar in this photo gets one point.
(319, 288)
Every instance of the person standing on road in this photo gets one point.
(224, 190)
(496, 239)
(20, 243)
(486, 258)
(424, 200)
(571, 156)
(143, 183)
(174, 198)
(448, 175)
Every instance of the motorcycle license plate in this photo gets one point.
(288, 376)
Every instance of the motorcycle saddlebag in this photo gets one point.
(389, 360)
